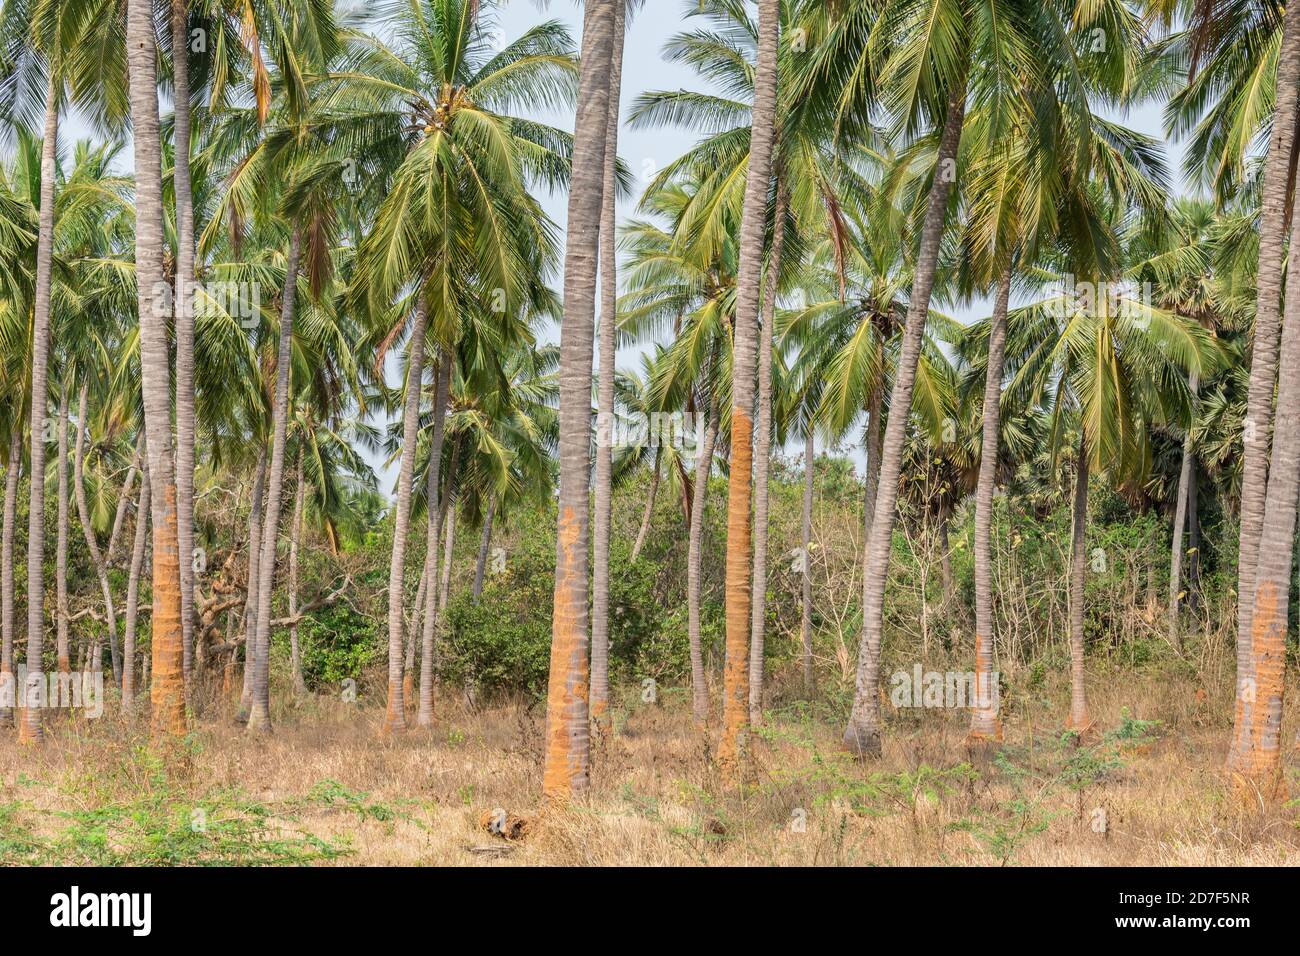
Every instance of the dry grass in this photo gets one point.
(327, 787)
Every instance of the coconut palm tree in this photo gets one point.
(1101, 360)
(566, 770)
(429, 124)
(167, 689)
(608, 348)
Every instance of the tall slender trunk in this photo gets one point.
(8, 617)
(1257, 757)
(1185, 478)
(255, 510)
(694, 557)
(644, 530)
(449, 536)
(753, 230)
(395, 717)
(185, 412)
(167, 689)
(33, 696)
(566, 770)
(485, 542)
(1258, 428)
(413, 627)
(88, 533)
(434, 505)
(295, 538)
(133, 597)
(61, 542)
(604, 493)
(259, 718)
(984, 722)
(124, 499)
(862, 735)
(1079, 719)
(1194, 545)
(763, 456)
(805, 545)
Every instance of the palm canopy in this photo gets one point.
(429, 122)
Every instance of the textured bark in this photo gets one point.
(1079, 719)
(694, 552)
(92, 545)
(449, 539)
(413, 626)
(763, 458)
(434, 503)
(644, 530)
(259, 718)
(1185, 478)
(1257, 761)
(185, 413)
(753, 230)
(605, 391)
(8, 617)
(123, 500)
(133, 597)
(805, 544)
(566, 771)
(167, 689)
(1264, 355)
(395, 717)
(255, 510)
(30, 729)
(862, 735)
(485, 542)
(984, 722)
(61, 541)
(295, 539)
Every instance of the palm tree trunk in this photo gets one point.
(259, 718)
(694, 557)
(185, 413)
(566, 770)
(449, 535)
(605, 391)
(805, 544)
(33, 695)
(133, 597)
(1079, 719)
(395, 717)
(862, 735)
(61, 542)
(753, 230)
(295, 537)
(8, 617)
(945, 558)
(1257, 760)
(433, 501)
(763, 459)
(255, 510)
(984, 722)
(88, 533)
(1185, 478)
(123, 500)
(644, 530)
(168, 683)
(1264, 359)
(413, 627)
(485, 542)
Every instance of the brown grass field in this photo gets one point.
(1145, 787)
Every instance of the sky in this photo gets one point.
(646, 151)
